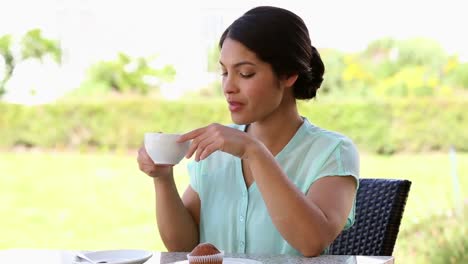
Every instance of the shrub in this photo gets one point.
(439, 239)
(382, 127)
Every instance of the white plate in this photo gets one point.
(124, 256)
(229, 261)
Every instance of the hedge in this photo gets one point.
(439, 239)
(377, 126)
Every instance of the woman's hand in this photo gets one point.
(209, 139)
(147, 165)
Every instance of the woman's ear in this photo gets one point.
(289, 80)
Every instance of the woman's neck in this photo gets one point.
(278, 129)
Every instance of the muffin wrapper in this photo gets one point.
(206, 259)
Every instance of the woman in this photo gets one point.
(272, 182)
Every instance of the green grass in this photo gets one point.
(76, 201)
(101, 200)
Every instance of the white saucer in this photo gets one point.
(122, 256)
(229, 261)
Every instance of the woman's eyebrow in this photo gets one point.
(238, 64)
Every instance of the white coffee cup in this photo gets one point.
(164, 149)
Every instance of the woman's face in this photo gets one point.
(252, 90)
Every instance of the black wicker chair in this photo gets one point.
(379, 208)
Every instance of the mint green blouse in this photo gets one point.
(235, 218)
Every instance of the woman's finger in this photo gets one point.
(209, 149)
(191, 135)
(143, 153)
(140, 155)
(202, 145)
(195, 144)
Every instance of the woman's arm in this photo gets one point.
(177, 227)
(308, 222)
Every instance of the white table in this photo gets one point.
(46, 256)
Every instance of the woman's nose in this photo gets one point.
(229, 85)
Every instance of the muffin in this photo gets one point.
(205, 253)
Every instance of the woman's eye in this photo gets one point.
(223, 73)
(247, 75)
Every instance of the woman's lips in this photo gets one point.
(235, 106)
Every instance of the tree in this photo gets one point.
(127, 74)
(8, 60)
(33, 46)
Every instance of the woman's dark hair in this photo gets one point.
(280, 38)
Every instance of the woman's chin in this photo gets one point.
(239, 120)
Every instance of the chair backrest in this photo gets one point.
(379, 208)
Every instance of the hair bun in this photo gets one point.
(309, 82)
(317, 68)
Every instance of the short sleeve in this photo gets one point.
(343, 161)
